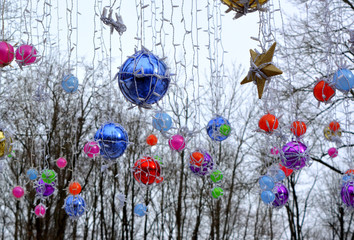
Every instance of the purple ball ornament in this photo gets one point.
(281, 195)
(45, 189)
(206, 166)
(347, 193)
(294, 155)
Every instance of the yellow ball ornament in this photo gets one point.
(332, 135)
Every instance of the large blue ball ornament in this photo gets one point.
(140, 210)
(70, 83)
(113, 140)
(32, 174)
(75, 206)
(218, 128)
(266, 183)
(267, 197)
(162, 121)
(143, 79)
(343, 80)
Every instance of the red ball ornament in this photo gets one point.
(74, 188)
(268, 123)
(287, 171)
(298, 128)
(323, 92)
(334, 126)
(350, 171)
(151, 140)
(147, 171)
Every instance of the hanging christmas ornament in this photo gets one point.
(298, 128)
(7, 54)
(26, 55)
(218, 128)
(323, 92)
(201, 163)
(343, 80)
(268, 123)
(147, 171)
(294, 155)
(281, 195)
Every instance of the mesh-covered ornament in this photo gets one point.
(44, 189)
(75, 206)
(298, 128)
(294, 155)
(40, 210)
(5, 143)
(7, 54)
(140, 210)
(347, 192)
(281, 195)
(218, 128)
(113, 140)
(144, 79)
(70, 83)
(32, 174)
(343, 80)
(162, 121)
(323, 91)
(147, 171)
(48, 175)
(26, 55)
(201, 163)
(333, 136)
(268, 123)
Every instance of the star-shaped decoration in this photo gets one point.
(261, 69)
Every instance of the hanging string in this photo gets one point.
(3, 20)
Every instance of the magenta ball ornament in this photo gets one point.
(61, 162)
(177, 142)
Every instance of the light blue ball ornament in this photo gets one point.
(266, 183)
(267, 197)
(140, 210)
(279, 176)
(343, 80)
(218, 128)
(75, 206)
(32, 174)
(346, 178)
(162, 122)
(143, 79)
(70, 83)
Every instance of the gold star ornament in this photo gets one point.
(261, 69)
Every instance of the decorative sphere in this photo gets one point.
(75, 206)
(298, 128)
(32, 174)
(40, 210)
(45, 189)
(343, 80)
(268, 123)
(216, 176)
(7, 54)
(332, 135)
(218, 128)
(151, 140)
(26, 55)
(140, 210)
(267, 196)
(333, 152)
(294, 155)
(274, 151)
(92, 149)
(162, 122)
(18, 192)
(281, 195)
(61, 162)
(287, 171)
(113, 140)
(334, 126)
(323, 92)
(177, 143)
(279, 176)
(147, 171)
(74, 188)
(266, 183)
(217, 192)
(48, 175)
(70, 83)
(143, 79)
(5, 143)
(347, 193)
(205, 164)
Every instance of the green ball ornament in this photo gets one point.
(216, 176)
(217, 192)
(157, 158)
(225, 129)
(48, 176)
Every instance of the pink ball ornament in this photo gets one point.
(18, 192)
(61, 162)
(39, 210)
(26, 55)
(92, 149)
(274, 151)
(177, 143)
(333, 152)
(7, 54)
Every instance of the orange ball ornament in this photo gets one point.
(350, 171)
(268, 123)
(197, 158)
(151, 140)
(298, 128)
(323, 92)
(334, 126)
(74, 188)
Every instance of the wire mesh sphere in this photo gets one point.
(281, 195)
(113, 140)
(7, 54)
(201, 163)
(151, 140)
(18, 192)
(333, 152)
(343, 80)
(40, 210)
(48, 175)
(332, 135)
(218, 128)
(5, 143)
(75, 206)
(268, 123)
(298, 128)
(143, 79)
(323, 92)
(217, 192)
(61, 162)
(162, 121)
(92, 149)
(347, 193)
(74, 188)
(147, 171)
(45, 189)
(26, 55)
(334, 126)
(177, 142)
(140, 210)
(294, 155)
(266, 183)
(70, 83)
(32, 174)
(216, 176)
(267, 196)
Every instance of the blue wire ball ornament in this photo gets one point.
(162, 122)
(113, 140)
(343, 80)
(143, 79)
(32, 174)
(70, 83)
(218, 128)
(140, 210)
(75, 206)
